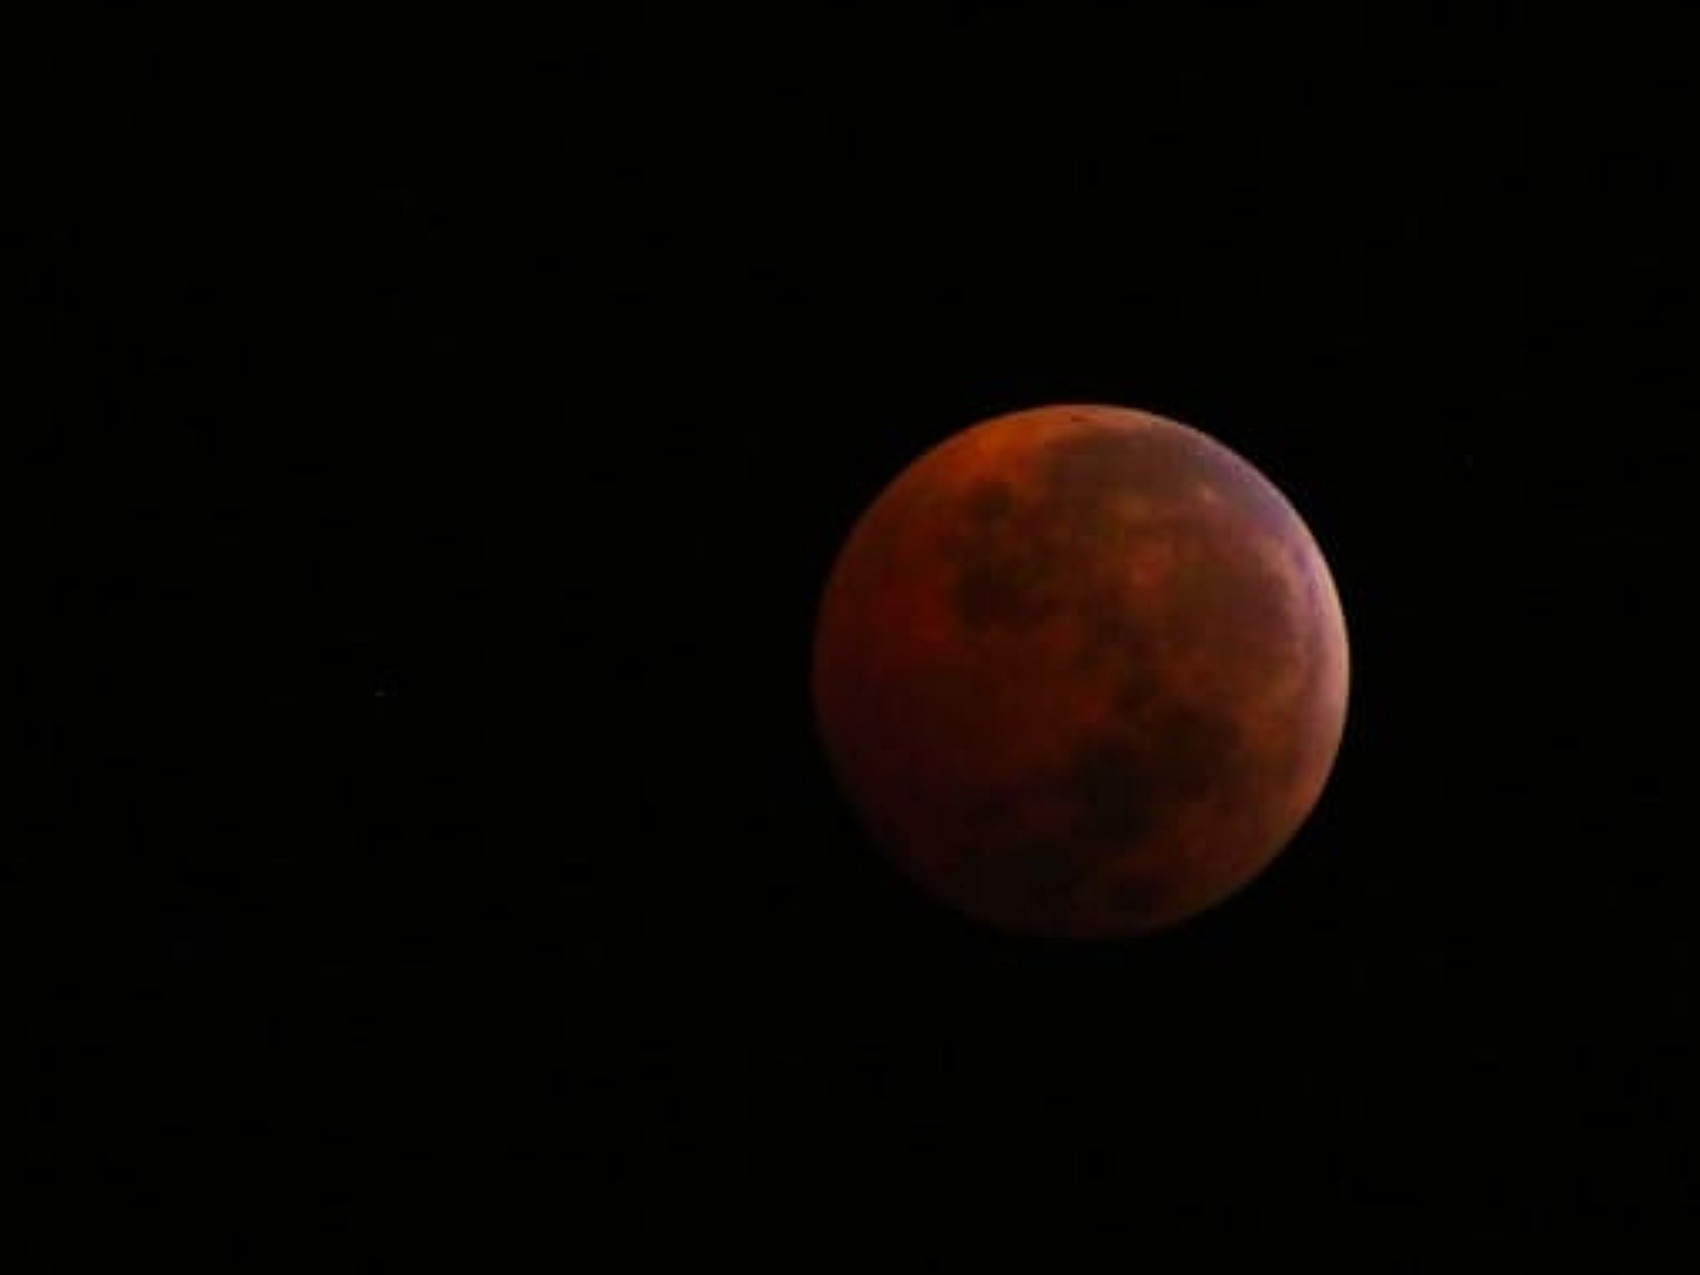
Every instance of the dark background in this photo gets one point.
(427, 448)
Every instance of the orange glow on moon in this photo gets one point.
(1082, 671)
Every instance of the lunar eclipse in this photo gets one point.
(1082, 672)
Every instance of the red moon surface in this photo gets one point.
(1082, 672)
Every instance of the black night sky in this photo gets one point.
(430, 446)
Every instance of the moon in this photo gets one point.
(1081, 671)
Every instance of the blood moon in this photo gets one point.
(1082, 671)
